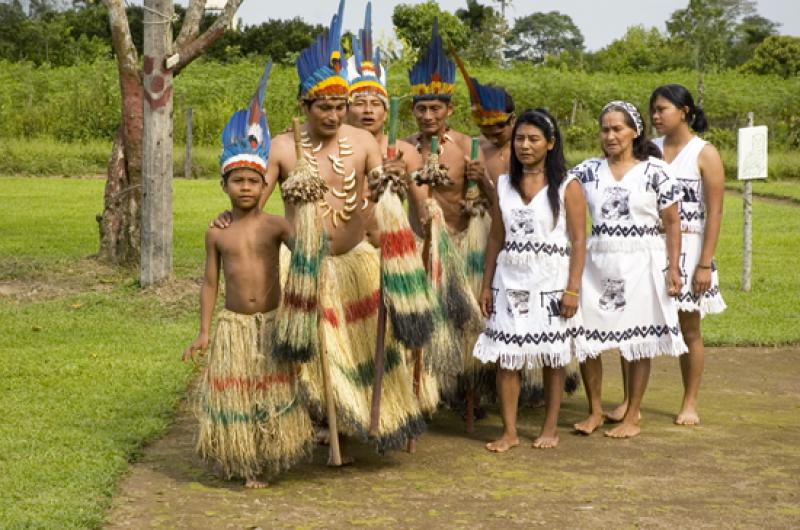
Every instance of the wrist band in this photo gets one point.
(573, 293)
(703, 266)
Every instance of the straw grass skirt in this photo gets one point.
(252, 421)
(349, 296)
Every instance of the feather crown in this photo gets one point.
(364, 70)
(320, 65)
(245, 138)
(434, 75)
(488, 102)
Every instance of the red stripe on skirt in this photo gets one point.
(363, 308)
(398, 243)
(247, 383)
(295, 301)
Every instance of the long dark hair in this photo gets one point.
(680, 96)
(555, 167)
(643, 148)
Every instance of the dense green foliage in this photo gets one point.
(776, 55)
(82, 102)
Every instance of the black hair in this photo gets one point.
(680, 96)
(555, 167)
(643, 148)
(443, 98)
(228, 174)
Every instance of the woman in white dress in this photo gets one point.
(532, 276)
(698, 167)
(628, 280)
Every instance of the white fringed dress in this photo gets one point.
(525, 329)
(624, 294)
(693, 223)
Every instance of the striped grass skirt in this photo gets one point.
(252, 421)
(349, 296)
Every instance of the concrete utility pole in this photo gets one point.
(156, 223)
(747, 225)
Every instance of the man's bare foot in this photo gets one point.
(346, 461)
(545, 442)
(590, 424)
(616, 415)
(624, 430)
(322, 436)
(255, 484)
(687, 416)
(502, 444)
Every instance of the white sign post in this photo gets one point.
(752, 165)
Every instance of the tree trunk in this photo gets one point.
(156, 262)
(119, 222)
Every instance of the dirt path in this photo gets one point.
(741, 468)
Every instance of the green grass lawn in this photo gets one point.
(89, 362)
(780, 189)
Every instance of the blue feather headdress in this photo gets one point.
(364, 71)
(320, 65)
(488, 103)
(434, 75)
(245, 139)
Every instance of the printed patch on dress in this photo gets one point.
(522, 224)
(613, 297)
(691, 190)
(518, 302)
(551, 300)
(615, 204)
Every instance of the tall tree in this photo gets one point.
(640, 50)
(708, 26)
(120, 220)
(534, 37)
(487, 33)
(413, 25)
(778, 54)
(750, 32)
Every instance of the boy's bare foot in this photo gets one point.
(687, 416)
(255, 484)
(624, 430)
(616, 415)
(545, 442)
(590, 424)
(503, 444)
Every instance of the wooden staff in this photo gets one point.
(380, 346)
(335, 458)
(472, 192)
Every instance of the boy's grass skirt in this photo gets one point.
(349, 297)
(251, 417)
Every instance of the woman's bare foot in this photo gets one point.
(624, 430)
(616, 415)
(255, 484)
(502, 444)
(546, 442)
(590, 424)
(687, 416)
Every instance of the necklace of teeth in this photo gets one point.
(348, 192)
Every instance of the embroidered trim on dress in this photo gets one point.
(625, 231)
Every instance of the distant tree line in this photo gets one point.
(706, 35)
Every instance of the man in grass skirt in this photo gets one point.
(347, 275)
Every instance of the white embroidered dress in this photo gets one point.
(624, 294)
(693, 223)
(525, 329)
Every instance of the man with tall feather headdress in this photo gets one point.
(349, 276)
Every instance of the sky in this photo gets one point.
(600, 21)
